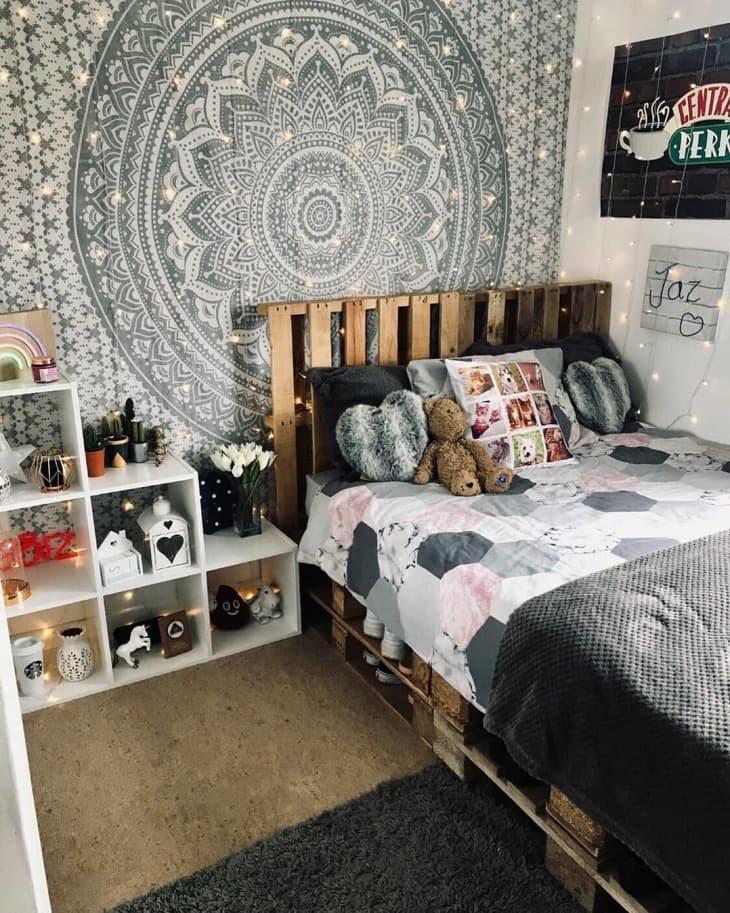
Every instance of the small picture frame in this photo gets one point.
(175, 634)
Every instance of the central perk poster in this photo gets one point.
(667, 146)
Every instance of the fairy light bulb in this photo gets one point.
(655, 376)
(4, 74)
(35, 138)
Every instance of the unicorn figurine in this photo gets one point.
(137, 639)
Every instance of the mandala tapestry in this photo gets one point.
(223, 154)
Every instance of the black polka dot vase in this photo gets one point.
(75, 658)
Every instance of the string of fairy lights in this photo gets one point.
(547, 70)
(620, 239)
(516, 18)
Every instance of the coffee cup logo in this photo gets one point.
(648, 141)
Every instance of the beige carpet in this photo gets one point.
(144, 784)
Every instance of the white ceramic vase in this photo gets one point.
(75, 658)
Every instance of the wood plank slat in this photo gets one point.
(283, 414)
(449, 324)
(497, 301)
(388, 331)
(551, 313)
(578, 307)
(467, 314)
(419, 326)
(589, 307)
(525, 313)
(320, 335)
(602, 322)
(354, 325)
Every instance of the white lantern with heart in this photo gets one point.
(167, 536)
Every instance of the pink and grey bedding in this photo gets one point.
(446, 576)
(616, 688)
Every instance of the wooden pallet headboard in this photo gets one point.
(409, 326)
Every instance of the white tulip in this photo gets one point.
(237, 471)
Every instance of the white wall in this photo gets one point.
(22, 875)
(618, 249)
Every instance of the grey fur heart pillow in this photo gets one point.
(600, 394)
(384, 443)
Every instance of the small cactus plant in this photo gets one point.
(137, 431)
(112, 427)
(128, 418)
(93, 439)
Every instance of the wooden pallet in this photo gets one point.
(578, 853)
(410, 699)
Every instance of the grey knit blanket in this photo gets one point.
(616, 689)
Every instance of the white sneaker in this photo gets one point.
(392, 647)
(372, 625)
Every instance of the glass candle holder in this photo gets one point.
(15, 587)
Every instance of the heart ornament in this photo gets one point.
(169, 546)
(384, 443)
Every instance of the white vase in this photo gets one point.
(28, 659)
(75, 658)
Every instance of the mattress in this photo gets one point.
(446, 573)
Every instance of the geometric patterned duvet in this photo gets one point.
(445, 573)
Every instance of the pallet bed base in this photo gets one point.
(410, 699)
(579, 852)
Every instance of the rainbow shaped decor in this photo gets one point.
(24, 335)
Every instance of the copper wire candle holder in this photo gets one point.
(52, 470)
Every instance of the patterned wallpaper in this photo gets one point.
(169, 164)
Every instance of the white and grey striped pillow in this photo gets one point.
(600, 394)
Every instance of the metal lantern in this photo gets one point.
(167, 536)
(15, 587)
(52, 470)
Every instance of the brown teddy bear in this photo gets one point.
(463, 466)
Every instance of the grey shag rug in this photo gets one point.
(427, 842)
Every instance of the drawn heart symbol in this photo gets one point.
(169, 546)
(691, 324)
(167, 524)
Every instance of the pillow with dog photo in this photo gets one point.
(510, 412)
(429, 378)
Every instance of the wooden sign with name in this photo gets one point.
(683, 290)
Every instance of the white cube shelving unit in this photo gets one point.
(72, 591)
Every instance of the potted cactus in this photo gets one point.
(117, 442)
(94, 445)
(136, 432)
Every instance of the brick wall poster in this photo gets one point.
(667, 148)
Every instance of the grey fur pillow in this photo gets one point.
(600, 393)
(384, 443)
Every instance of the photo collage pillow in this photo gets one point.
(509, 411)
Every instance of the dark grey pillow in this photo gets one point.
(600, 394)
(582, 346)
(339, 388)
